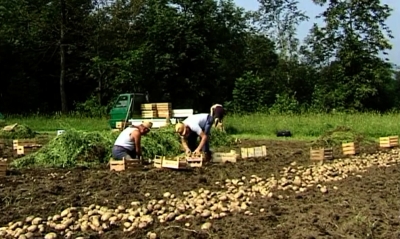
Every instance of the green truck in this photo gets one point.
(127, 108)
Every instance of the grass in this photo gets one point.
(255, 126)
(311, 126)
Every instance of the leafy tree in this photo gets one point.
(352, 38)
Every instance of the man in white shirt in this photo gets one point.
(194, 126)
(128, 143)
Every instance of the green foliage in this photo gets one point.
(339, 135)
(73, 148)
(79, 148)
(250, 93)
(194, 54)
(353, 36)
(19, 132)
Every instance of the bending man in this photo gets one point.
(218, 113)
(128, 143)
(194, 126)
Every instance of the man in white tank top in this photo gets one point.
(194, 126)
(128, 142)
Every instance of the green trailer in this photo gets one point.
(127, 108)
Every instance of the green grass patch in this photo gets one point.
(312, 126)
(252, 126)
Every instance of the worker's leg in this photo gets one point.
(207, 131)
(118, 153)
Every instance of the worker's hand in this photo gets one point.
(188, 152)
(197, 152)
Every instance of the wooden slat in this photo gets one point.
(225, 157)
(195, 161)
(174, 163)
(254, 152)
(389, 142)
(350, 148)
(321, 154)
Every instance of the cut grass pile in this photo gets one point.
(78, 148)
(339, 135)
(18, 132)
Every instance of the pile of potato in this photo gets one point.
(299, 178)
(235, 196)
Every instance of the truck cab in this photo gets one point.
(127, 106)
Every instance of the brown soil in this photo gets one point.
(362, 207)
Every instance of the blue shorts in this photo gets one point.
(192, 138)
(118, 153)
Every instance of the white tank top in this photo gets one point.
(124, 139)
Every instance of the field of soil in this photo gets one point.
(363, 206)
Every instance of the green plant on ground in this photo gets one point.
(18, 132)
(77, 148)
(339, 135)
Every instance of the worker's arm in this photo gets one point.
(136, 137)
(203, 141)
(184, 144)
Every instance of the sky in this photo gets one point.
(312, 10)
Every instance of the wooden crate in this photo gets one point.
(195, 161)
(148, 106)
(389, 142)
(122, 165)
(3, 168)
(149, 114)
(350, 148)
(253, 152)
(25, 150)
(164, 113)
(174, 163)
(164, 105)
(321, 154)
(225, 157)
(25, 143)
(157, 162)
(121, 125)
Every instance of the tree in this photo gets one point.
(352, 38)
(278, 19)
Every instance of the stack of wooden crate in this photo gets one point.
(25, 146)
(164, 110)
(149, 110)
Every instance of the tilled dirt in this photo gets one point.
(366, 206)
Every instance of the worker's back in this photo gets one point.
(124, 139)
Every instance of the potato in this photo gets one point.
(32, 228)
(206, 226)
(50, 235)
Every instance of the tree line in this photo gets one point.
(78, 55)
